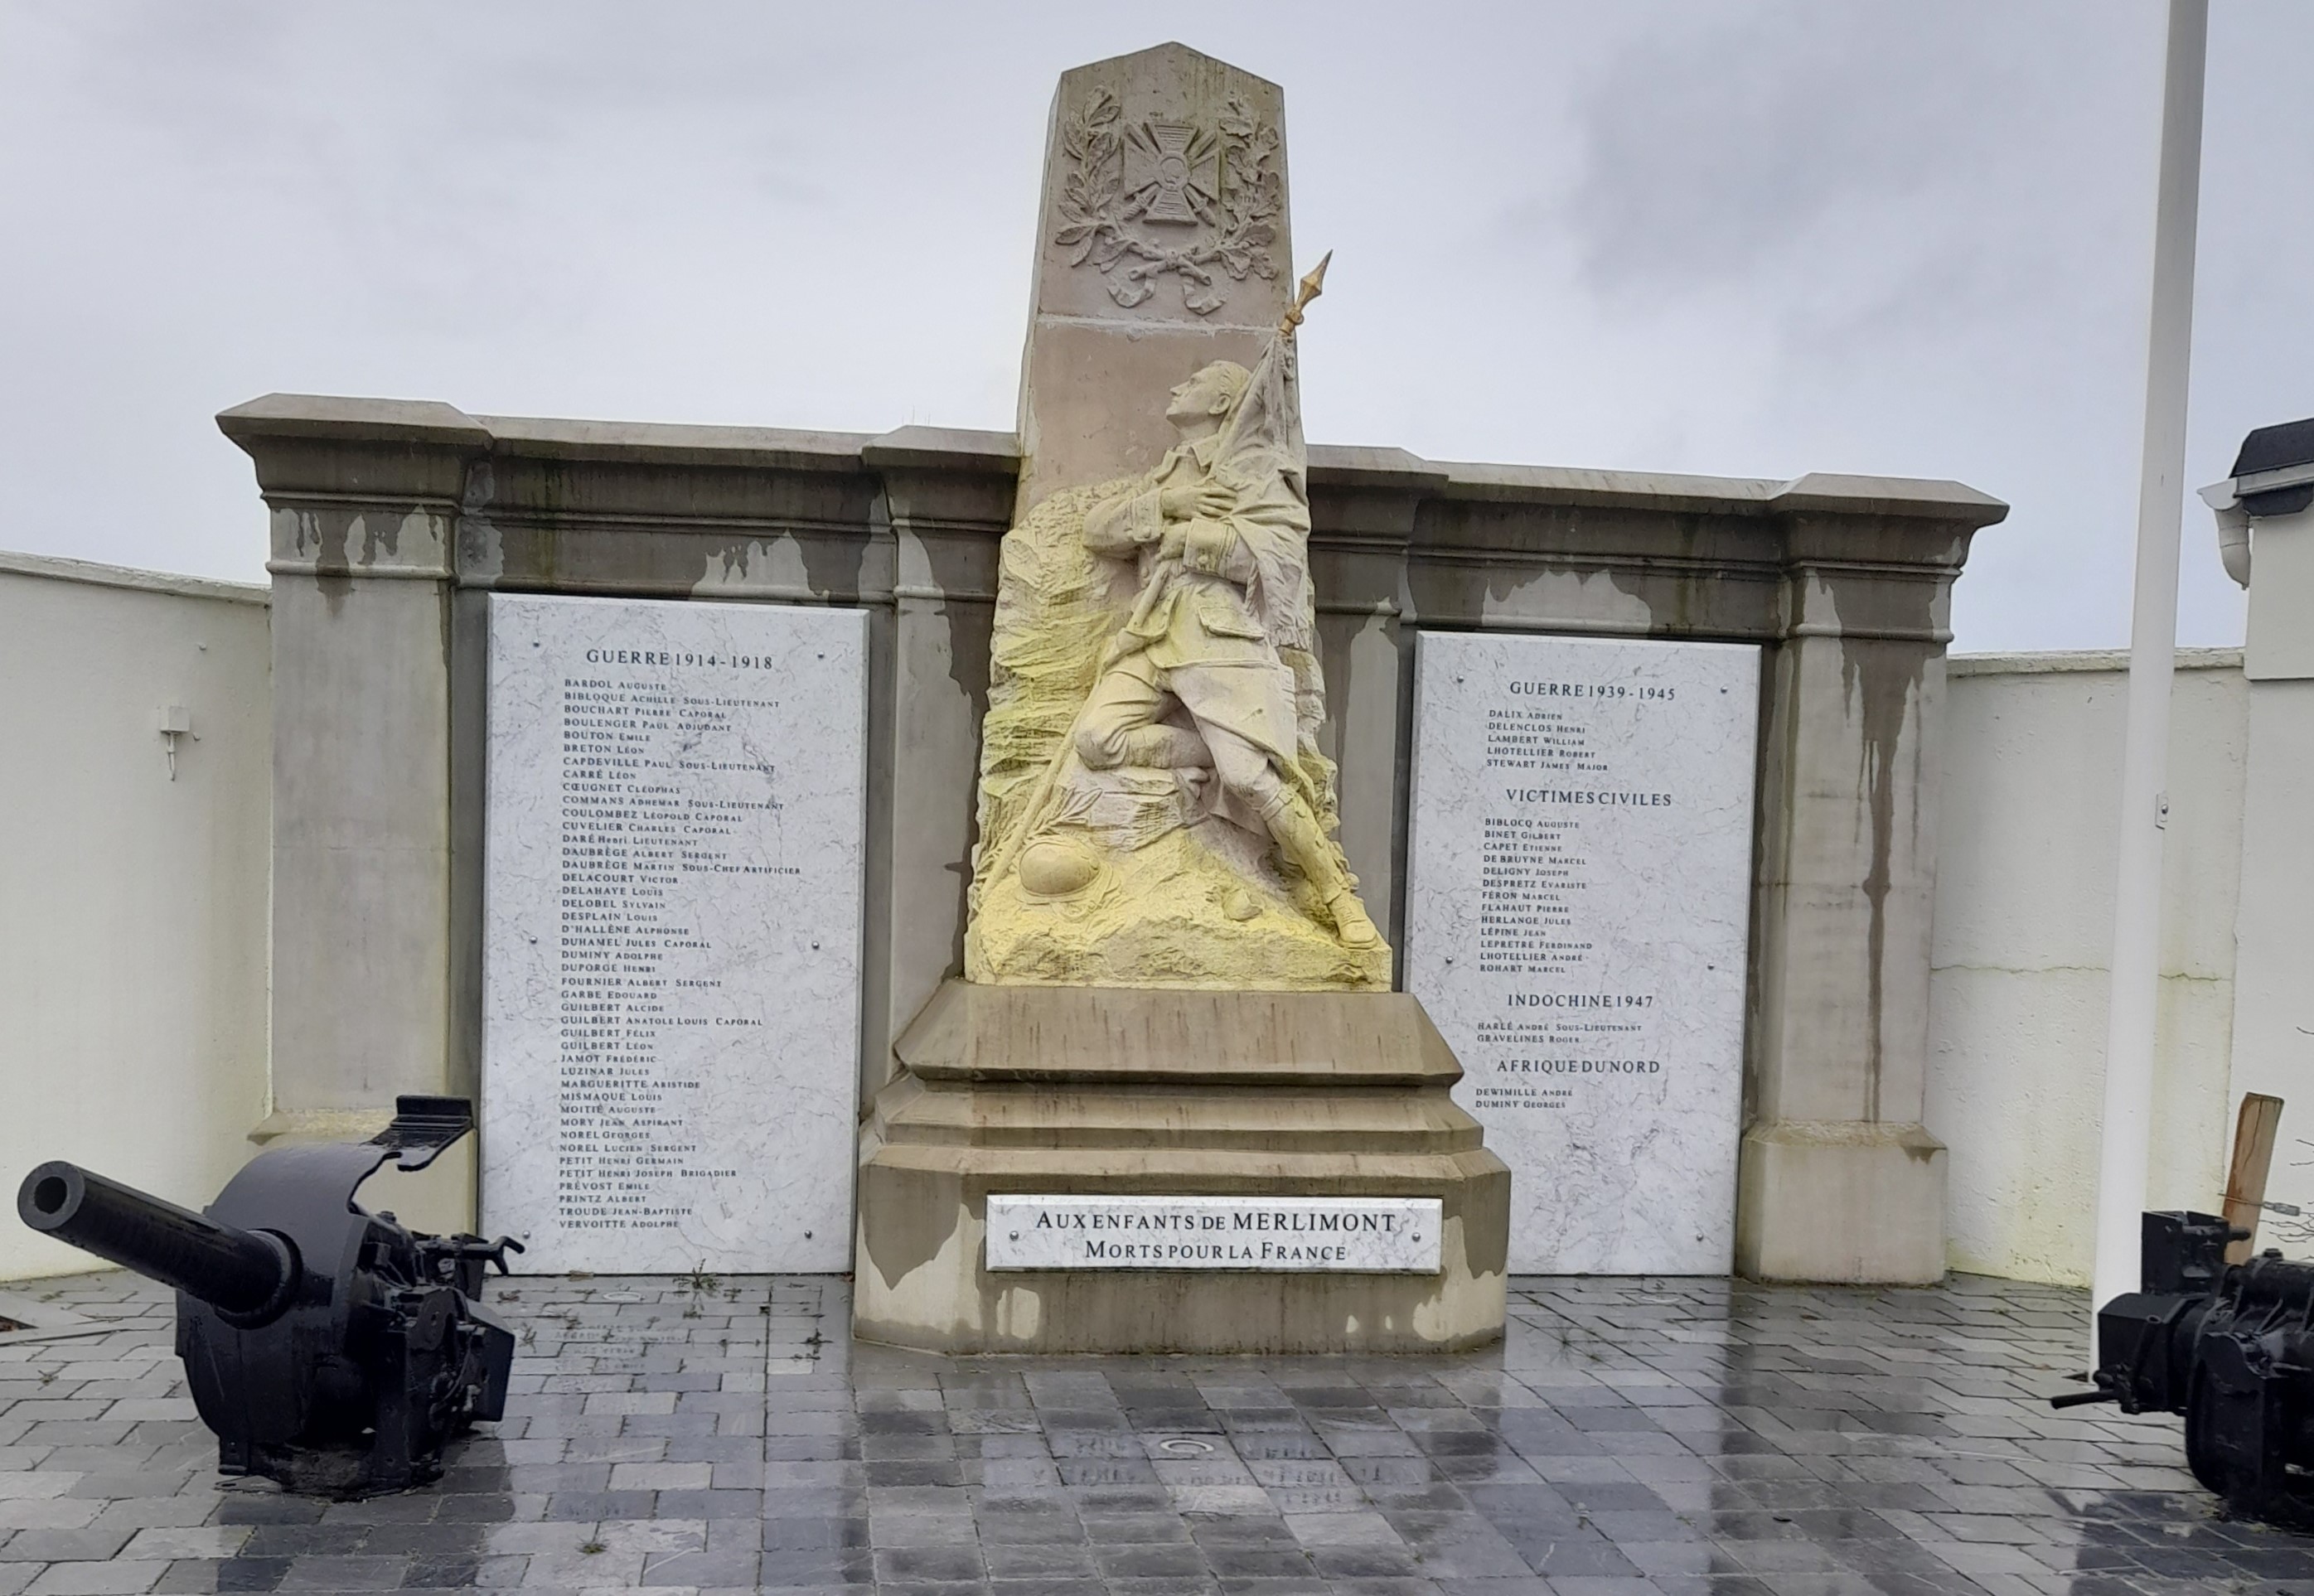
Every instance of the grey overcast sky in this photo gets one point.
(1752, 237)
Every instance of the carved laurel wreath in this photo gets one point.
(1236, 213)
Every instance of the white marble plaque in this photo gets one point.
(672, 881)
(1361, 1235)
(1579, 907)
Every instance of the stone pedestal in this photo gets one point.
(1056, 1090)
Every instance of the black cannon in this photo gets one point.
(330, 1348)
(2230, 1347)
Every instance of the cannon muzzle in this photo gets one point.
(249, 1274)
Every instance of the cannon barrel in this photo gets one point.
(244, 1273)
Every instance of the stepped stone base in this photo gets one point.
(1103, 1091)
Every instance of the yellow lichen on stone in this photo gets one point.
(1132, 888)
(1159, 917)
(1055, 606)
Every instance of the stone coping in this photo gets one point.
(56, 568)
(2082, 659)
(1367, 469)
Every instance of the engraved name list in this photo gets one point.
(673, 905)
(1577, 924)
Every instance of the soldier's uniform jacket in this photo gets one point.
(1239, 593)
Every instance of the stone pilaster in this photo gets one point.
(2274, 937)
(364, 500)
(946, 496)
(1839, 1180)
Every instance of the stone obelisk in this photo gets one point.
(1161, 245)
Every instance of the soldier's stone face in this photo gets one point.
(1201, 398)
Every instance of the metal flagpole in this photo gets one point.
(2135, 992)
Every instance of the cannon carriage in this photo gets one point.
(330, 1348)
(2227, 1347)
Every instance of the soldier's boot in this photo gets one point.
(1299, 838)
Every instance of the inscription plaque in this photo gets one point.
(1362, 1235)
(673, 915)
(1578, 903)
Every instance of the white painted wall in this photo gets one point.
(2023, 932)
(132, 907)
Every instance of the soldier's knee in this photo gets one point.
(1244, 769)
(1262, 787)
(1101, 747)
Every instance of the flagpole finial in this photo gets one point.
(1312, 285)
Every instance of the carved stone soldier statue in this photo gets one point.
(1155, 809)
(1221, 546)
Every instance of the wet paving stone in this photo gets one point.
(1629, 1438)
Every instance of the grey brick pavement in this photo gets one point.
(1631, 1437)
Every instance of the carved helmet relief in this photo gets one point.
(1140, 199)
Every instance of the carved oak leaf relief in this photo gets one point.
(1141, 200)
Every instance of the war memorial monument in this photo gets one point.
(1141, 882)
